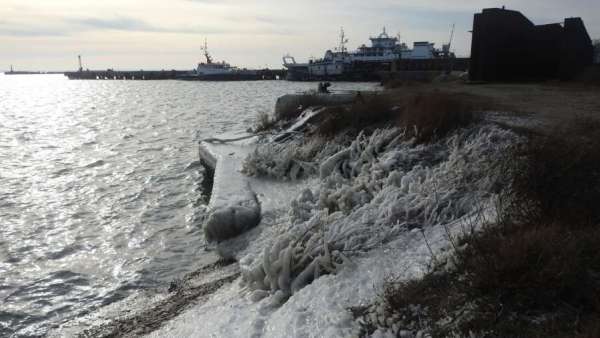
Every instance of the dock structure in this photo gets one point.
(109, 74)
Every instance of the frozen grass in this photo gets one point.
(533, 273)
(372, 191)
(421, 118)
(294, 158)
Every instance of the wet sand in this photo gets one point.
(195, 288)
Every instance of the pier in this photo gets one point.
(109, 74)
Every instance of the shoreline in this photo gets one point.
(241, 248)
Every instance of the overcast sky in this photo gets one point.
(165, 34)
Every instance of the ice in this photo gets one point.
(294, 159)
(365, 199)
(387, 207)
(233, 206)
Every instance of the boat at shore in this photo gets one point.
(365, 62)
(219, 71)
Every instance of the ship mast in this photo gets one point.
(205, 50)
(343, 41)
(451, 37)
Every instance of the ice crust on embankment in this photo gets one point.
(381, 205)
(373, 191)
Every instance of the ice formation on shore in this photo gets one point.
(227, 221)
(293, 159)
(371, 192)
(383, 206)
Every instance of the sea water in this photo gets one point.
(100, 189)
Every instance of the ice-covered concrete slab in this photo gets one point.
(234, 207)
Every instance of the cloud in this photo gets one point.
(30, 32)
(118, 23)
(74, 26)
(137, 25)
(241, 31)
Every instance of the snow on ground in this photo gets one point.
(380, 208)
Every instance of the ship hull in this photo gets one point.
(354, 72)
(377, 71)
(222, 77)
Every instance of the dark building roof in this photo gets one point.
(507, 46)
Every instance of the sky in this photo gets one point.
(168, 34)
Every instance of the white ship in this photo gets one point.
(218, 71)
(341, 64)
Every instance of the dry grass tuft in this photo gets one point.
(368, 110)
(432, 115)
(426, 115)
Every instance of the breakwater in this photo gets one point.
(263, 74)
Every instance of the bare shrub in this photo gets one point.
(559, 179)
(536, 267)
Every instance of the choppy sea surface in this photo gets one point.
(100, 191)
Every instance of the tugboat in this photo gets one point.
(218, 71)
(365, 62)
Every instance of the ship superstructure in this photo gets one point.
(218, 71)
(212, 68)
(341, 64)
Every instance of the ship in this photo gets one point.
(364, 63)
(219, 71)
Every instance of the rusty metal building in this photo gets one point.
(506, 46)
